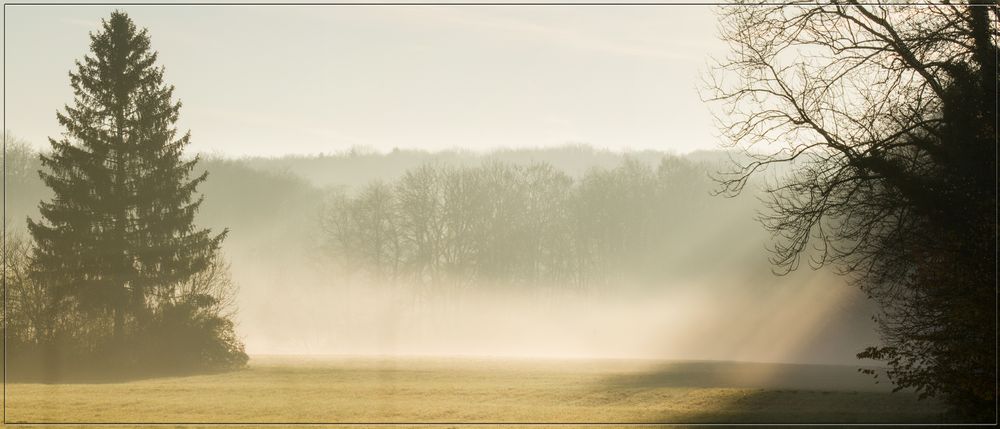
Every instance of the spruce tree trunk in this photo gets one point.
(119, 328)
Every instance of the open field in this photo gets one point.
(356, 389)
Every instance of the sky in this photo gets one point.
(275, 80)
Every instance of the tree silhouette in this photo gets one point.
(118, 238)
(885, 116)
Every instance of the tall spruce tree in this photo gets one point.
(118, 237)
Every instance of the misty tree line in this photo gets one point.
(503, 222)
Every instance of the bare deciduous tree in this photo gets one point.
(884, 116)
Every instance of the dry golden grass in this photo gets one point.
(338, 389)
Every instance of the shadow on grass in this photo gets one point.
(750, 375)
(728, 392)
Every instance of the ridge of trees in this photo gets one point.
(530, 223)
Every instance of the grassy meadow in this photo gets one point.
(423, 389)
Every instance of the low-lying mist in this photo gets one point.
(641, 262)
(555, 253)
(804, 319)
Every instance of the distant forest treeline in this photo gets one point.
(571, 216)
(519, 223)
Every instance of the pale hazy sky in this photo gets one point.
(270, 80)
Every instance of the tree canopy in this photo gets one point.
(887, 116)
